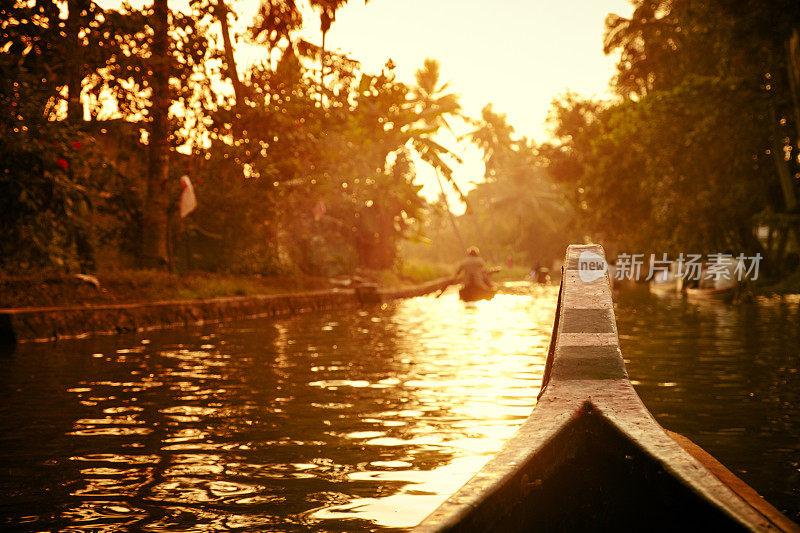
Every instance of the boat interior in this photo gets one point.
(592, 477)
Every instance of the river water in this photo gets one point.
(326, 421)
(727, 377)
(360, 420)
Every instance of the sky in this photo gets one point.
(517, 54)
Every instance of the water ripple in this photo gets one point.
(328, 421)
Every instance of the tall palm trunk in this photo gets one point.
(75, 70)
(784, 173)
(450, 213)
(325, 21)
(230, 60)
(154, 232)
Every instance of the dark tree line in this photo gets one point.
(305, 163)
(701, 149)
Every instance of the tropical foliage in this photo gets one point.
(700, 149)
(516, 215)
(303, 161)
(307, 163)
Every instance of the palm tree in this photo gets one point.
(327, 14)
(493, 137)
(221, 12)
(517, 190)
(433, 108)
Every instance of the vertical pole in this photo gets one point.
(154, 233)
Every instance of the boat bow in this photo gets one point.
(591, 456)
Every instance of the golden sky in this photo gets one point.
(518, 54)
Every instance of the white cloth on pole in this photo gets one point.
(188, 201)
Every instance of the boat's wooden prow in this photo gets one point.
(590, 456)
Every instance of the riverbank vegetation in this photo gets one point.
(305, 164)
(699, 152)
(301, 162)
(51, 289)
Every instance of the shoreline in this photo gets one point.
(45, 324)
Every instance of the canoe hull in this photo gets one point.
(474, 294)
(590, 477)
(711, 295)
(591, 457)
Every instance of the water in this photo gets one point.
(727, 377)
(361, 420)
(324, 421)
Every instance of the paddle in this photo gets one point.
(450, 281)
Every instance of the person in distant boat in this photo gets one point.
(474, 269)
(542, 275)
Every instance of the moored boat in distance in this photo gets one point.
(724, 294)
(667, 281)
(705, 288)
(591, 456)
(719, 281)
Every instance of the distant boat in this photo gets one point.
(666, 282)
(471, 293)
(670, 282)
(540, 275)
(709, 289)
(724, 294)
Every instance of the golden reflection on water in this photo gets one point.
(483, 363)
(364, 419)
(332, 421)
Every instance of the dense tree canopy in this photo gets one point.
(293, 169)
(305, 161)
(701, 147)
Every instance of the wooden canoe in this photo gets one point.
(471, 293)
(591, 457)
(711, 295)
